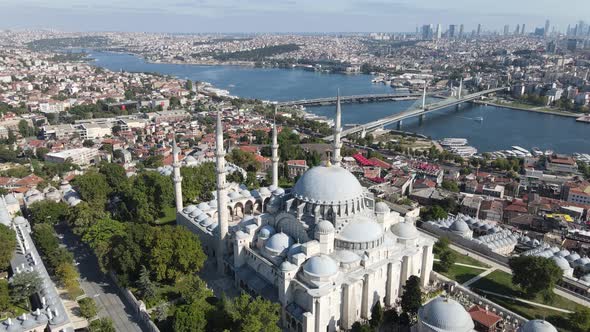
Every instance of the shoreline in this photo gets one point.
(558, 113)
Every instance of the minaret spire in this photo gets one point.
(222, 217)
(424, 97)
(275, 153)
(460, 88)
(336, 158)
(177, 179)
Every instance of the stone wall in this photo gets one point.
(138, 306)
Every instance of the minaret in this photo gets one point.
(336, 158)
(460, 88)
(177, 179)
(275, 155)
(424, 97)
(222, 217)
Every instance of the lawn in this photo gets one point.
(169, 216)
(459, 273)
(464, 259)
(501, 282)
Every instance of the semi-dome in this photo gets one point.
(381, 207)
(189, 209)
(278, 243)
(572, 257)
(324, 227)
(320, 266)
(330, 184)
(346, 256)
(459, 226)
(562, 253)
(537, 325)
(405, 230)
(204, 206)
(445, 315)
(234, 195)
(360, 230)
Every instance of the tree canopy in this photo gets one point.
(7, 246)
(412, 296)
(534, 274)
(47, 211)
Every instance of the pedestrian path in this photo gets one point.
(527, 302)
(481, 275)
(467, 265)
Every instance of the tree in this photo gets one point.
(93, 188)
(67, 275)
(433, 213)
(198, 182)
(189, 85)
(193, 289)
(87, 307)
(47, 212)
(580, 319)
(190, 318)
(253, 315)
(146, 286)
(447, 259)
(534, 274)
(129, 251)
(154, 161)
(101, 325)
(88, 143)
(450, 186)
(25, 284)
(245, 160)
(412, 297)
(82, 216)
(99, 235)
(376, 315)
(7, 246)
(4, 295)
(115, 175)
(361, 327)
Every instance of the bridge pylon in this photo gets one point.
(399, 125)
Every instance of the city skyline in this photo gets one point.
(279, 16)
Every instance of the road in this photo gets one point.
(99, 286)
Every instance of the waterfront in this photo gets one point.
(500, 129)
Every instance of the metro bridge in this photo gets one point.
(352, 99)
(421, 111)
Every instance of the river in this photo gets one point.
(500, 129)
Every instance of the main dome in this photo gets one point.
(328, 184)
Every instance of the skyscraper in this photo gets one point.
(479, 29)
(461, 31)
(427, 31)
(506, 30)
(452, 29)
(547, 24)
(438, 31)
(522, 31)
(517, 31)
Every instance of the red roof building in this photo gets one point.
(484, 320)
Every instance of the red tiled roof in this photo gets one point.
(29, 181)
(297, 162)
(380, 163)
(484, 317)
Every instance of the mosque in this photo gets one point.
(324, 249)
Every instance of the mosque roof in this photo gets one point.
(361, 229)
(537, 325)
(444, 314)
(405, 230)
(320, 266)
(331, 184)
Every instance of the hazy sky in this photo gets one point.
(283, 15)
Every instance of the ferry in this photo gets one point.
(548, 152)
(522, 151)
(450, 142)
(464, 151)
(537, 152)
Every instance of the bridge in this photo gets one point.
(421, 111)
(352, 99)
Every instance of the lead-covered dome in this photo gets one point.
(537, 325)
(320, 266)
(405, 230)
(329, 184)
(460, 226)
(278, 243)
(324, 227)
(445, 315)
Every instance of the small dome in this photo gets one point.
(585, 279)
(320, 266)
(201, 217)
(266, 231)
(324, 227)
(204, 206)
(286, 266)
(245, 193)
(561, 262)
(278, 243)
(562, 253)
(264, 191)
(346, 256)
(572, 257)
(234, 195)
(189, 209)
(537, 325)
(279, 192)
(213, 203)
(207, 222)
(459, 226)
(405, 230)
(294, 250)
(381, 207)
(443, 314)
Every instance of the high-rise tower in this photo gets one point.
(222, 217)
(177, 179)
(336, 158)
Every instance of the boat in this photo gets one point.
(449, 142)
(522, 151)
(548, 152)
(537, 152)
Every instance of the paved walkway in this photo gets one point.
(466, 265)
(476, 278)
(527, 302)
